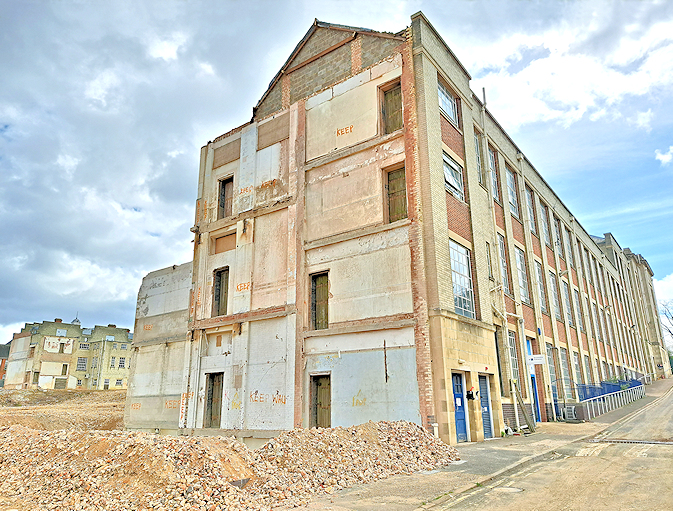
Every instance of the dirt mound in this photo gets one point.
(65, 409)
(115, 470)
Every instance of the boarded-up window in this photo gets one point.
(227, 153)
(226, 197)
(225, 243)
(319, 301)
(220, 292)
(397, 195)
(392, 109)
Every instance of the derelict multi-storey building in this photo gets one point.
(373, 246)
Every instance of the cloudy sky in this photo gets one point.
(104, 106)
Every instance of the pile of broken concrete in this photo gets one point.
(118, 470)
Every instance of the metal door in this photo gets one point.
(459, 402)
(485, 406)
(323, 401)
(213, 412)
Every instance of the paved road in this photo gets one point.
(603, 474)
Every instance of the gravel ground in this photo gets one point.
(117, 470)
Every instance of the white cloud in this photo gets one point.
(167, 49)
(8, 331)
(572, 79)
(68, 164)
(99, 88)
(206, 68)
(664, 288)
(664, 158)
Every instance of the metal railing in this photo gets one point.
(605, 403)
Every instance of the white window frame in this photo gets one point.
(493, 167)
(540, 286)
(568, 303)
(513, 358)
(502, 247)
(112, 362)
(477, 150)
(555, 296)
(82, 362)
(448, 104)
(531, 210)
(578, 309)
(546, 229)
(511, 192)
(461, 273)
(122, 363)
(453, 177)
(523, 274)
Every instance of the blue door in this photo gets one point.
(485, 406)
(459, 402)
(533, 383)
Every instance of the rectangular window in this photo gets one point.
(514, 360)
(503, 263)
(558, 240)
(587, 370)
(598, 323)
(463, 296)
(568, 303)
(540, 286)
(578, 308)
(114, 346)
(448, 103)
(605, 370)
(453, 178)
(603, 325)
(95, 383)
(84, 345)
(544, 223)
(81, 363)
(392, 109)
(569, 248)
(94, 363)
(319, 301)
(36, 376)
(225, 243)
(578, 371)
(396, 187)
(588, 263)
(488, 260)
(220, 292)
(226, 198)
(523, 275)
(530, 204)
(590, 323)
(565, 370)
(493, 167)
(110, 338)
(61, 347)
(31, 353)
(122, 362)
(61, 332)
(554, 296)
(64, 370)
(123, 346)
(79, 383)
(477, 151)
(118, 383)
(511, 193)
(112, 362)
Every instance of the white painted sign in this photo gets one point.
(535, 359)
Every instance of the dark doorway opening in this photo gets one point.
(321, 401)
(213, 413)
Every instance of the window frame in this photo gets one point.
(451, 103)
(385, 90)
(556, 299)
(388, 194)
(477, 151)
(225, 198)
(542, 295)
(512, 195)
(454, 177)
(316, 301)
(546, 228)
(513, 355)
(462, 281)
(82, 363)
(522, 271)
(220, 291)
(493, 169)
(504, 276)
(530, 204)
(568, 303)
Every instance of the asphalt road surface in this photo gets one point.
(629, 466)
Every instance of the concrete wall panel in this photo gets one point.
(270, 252)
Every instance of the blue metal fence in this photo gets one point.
(585, 392)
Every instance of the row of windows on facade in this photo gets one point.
(566, 379)
(118, 383)
(63, 332)
(83, 361)
(392, 119)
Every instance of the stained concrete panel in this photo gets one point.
(360, 392)
(270, 252)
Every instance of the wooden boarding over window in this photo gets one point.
(225, 243)
(227, 153)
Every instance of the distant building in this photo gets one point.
(57, 355)
(4, 354)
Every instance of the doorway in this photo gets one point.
(485, 406)
(213, 411)
(321, 401)
(459, 401)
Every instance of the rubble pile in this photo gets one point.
(119, 470)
